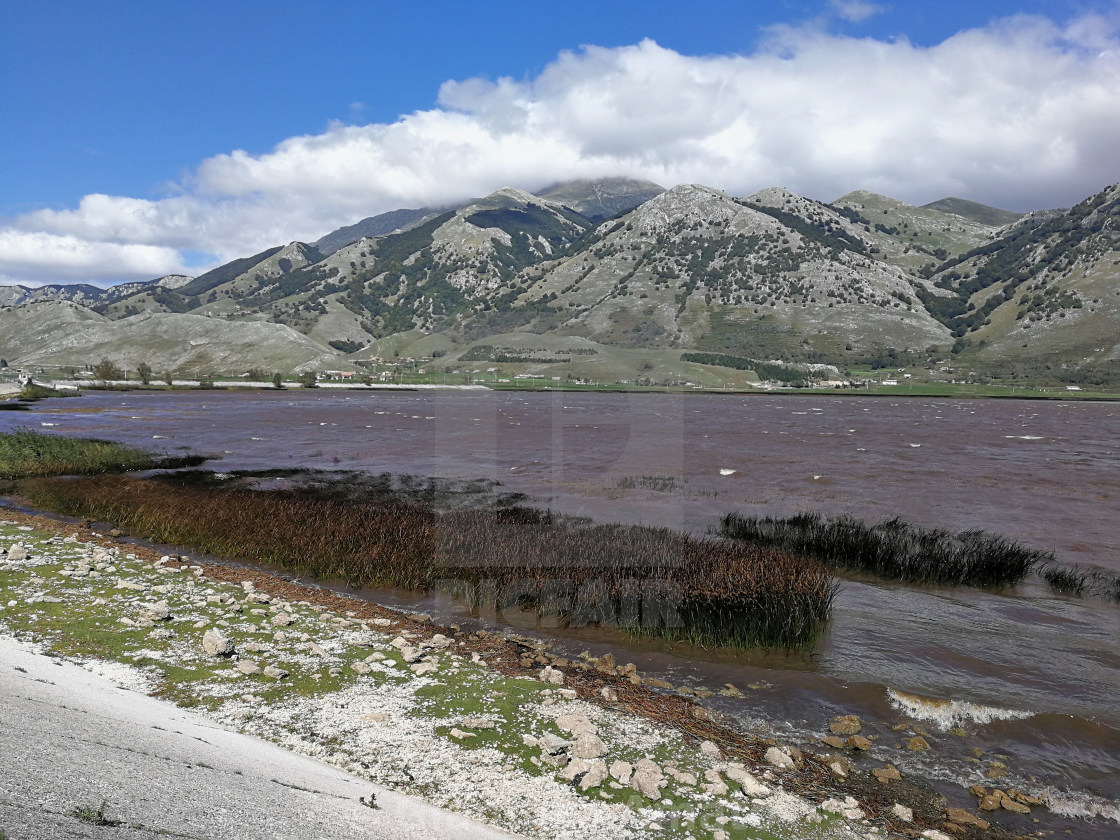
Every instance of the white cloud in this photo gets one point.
(855, 10)
(35, 258)
(1020, 114)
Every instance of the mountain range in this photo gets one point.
(620, 279)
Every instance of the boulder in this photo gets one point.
(776, 758)
(216, 643)
(360, 668)
(962, 817)
(158, 611)
(886, 775)
(711, 750)
(648, 779)
(589, 746)
(1009, 804)
(834, 741)
(902, 812)
(608, 694)
(551, 675)
(246, 667)
(576, 725)
(716, 785)
(858, 742)
(847, 807)
(478, 723)
(422, 669)
(595, 776)
(275, 673)
(621, 771)
(281, 620)
(459, 734)
(751, 786)
(917, 744)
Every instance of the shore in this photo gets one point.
(494, 728)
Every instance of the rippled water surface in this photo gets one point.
(1028, 675)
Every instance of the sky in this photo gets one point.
(147, 137)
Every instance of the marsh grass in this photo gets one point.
(894, 550)
(716, 592)
(27, 453)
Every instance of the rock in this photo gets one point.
(258, 598)
(902, 812)
(567, 693)
(711, 750)
(553, 744)
(595, 776)
(934, 834)
(159, 611)
(377, 717)
(848, 808)
(315, 649)
(834, 741)
(589, 746)
(608, 694)
(682, 778)
(246, 667)
(1009, 804)
(962, 817)
(576, 725)
(551, 675)
(621, 771)
(459, 734)
(422, 669)
(978, 790)
(729, 690)
(845, 725)
(382, 622)
(576, 767)
(281, 620)
(647, 779)
(716, 785)
(275, 673)
(751, 786)
(996, 770)
(216, 643)
(478, 723)
(917, 744)
(858, 742)
(886, 775)
(360, 668)
(376, 656)
(989, 802)
(776, 758)
(411, 654)
(127, 584)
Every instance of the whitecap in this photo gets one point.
(726, 471)
(946, 714)
(914, 445)
(48, 424)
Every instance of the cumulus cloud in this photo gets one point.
(35, 258)
(1022, 114)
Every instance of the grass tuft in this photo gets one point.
(27, 453)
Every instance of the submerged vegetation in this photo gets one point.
(894, 550)
(651, 581)
(26, 453)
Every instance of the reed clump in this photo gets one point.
(647, 580)
(26, 453)
(894, 550)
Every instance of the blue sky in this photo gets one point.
(143, 136)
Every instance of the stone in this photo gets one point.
(551, 675)
(553, 744)
(978, 790)
(682, 778)
(216, 643)
(845, 725)
(848, 807)
(589, 746)
(989, 802)
(411, 654)
(439, 641)
(962, 817)
(158, 611)
(776, 758)
(917, 744)
(716, 785)
(996, 770)
(1009, 804)
(902, 812)
(729, 690)
(608, 694)
(422, 669)
(595, 776)
(711, 750)
(576, 725)
(751, 786)
(246, 667)
(834, 741)
(281, 620)
(567, 693)
(377, 717)
(886, 775)
(258, 598)
(315, 649)
(648, 779)
(127, 584)
(478, 723)
(621, 771)
(576, 767)
(275, 673)
(858, 742)
(360, 668)
(459, 734)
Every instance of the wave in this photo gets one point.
(945, 713)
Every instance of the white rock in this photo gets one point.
(281, 620)
(360, 668)
(275, 673)
(552, 676)
(422, 669)
(595, 776)
(709, 749)
(779, 759)
(478, 723)
(576, 725)
(752, 787)
(934, 834)
(216, 643)
(608, 694)
(459, 734)
(648, 779)
(17, 552)
(589, 746)
(247, 667)
(902, 812)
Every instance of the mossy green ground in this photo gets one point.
(92, 618)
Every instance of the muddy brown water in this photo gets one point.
(1031, 677)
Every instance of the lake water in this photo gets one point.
(1033, 678)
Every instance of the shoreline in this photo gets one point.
(599, 690)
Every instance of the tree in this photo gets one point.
(277, 381)
(309, 379)
(144, 373)
(167, 377)
(106, 370)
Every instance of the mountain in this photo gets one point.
(603, 198)
(981, 213)
(380, 225)
(689, 284)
